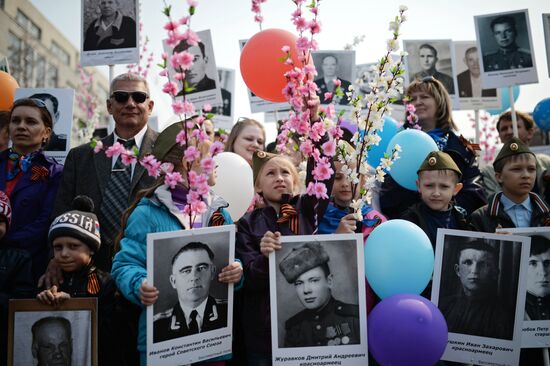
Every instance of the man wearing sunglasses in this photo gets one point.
(88, 173)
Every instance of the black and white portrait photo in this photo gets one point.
(546, 27)
(41, 335)
(317, 290)
(537, 300)
(364, 74)
(471, 93)
(431, 58)
(107, 27)
(332, 66)
(258, 104)
(59, 103)
(192, 303)
(200, 85)
(479, 286)
(223, 113)
(506, 48)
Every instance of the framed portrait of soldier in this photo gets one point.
(257, 104)
(59, 102)
(505, 43)
(536, 318)
(317, 295)
(200, 85)
(40, 334)
(193, 313)
(110, 32)
(431, 58)
(479, 286)
(223, 113)
(333, 68)
(546, 26)
(471, 94)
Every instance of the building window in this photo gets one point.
(2, 4)
(40, 71)
(15, 50)
(52, 77)
(61, 54)
(28, 25)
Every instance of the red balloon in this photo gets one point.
(261, 68)
(7, 90)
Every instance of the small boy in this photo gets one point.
(15, 273)
(515, 206)
(75, 239)
(438, 183)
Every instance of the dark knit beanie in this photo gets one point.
(80, 223)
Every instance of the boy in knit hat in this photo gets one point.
(15, 272)
(516, 205)
(438, 183)
(74, 237)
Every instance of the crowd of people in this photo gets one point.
(80, 230)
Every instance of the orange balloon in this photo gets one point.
(261, 68)
(7, 90)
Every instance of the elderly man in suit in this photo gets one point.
(96, 175)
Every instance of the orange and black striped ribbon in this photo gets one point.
(93, 284)
(217, 219)
(288, 214)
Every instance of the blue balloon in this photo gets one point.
(389, 131)
(415, 146)
(505, 99)
(541, 114)
(399, 258)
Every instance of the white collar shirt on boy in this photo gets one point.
(520, 213)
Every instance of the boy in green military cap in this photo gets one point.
(438, 183)
(515, 206)
(325, 320)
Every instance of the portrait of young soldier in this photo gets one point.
(324, 320)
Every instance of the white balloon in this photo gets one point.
(234, 183)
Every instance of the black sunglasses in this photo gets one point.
(122, 96)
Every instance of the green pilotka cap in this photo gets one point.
(439, 160)
(302, 259)
(166, 140)
(259, 158)
(513, 147)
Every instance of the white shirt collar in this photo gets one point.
(200, 311)
(508, 203)
(138, 137)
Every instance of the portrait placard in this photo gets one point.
(258, 104)
(470, 92)
(479, 286)
(223, 113)
(536, 320)
(431, 58)
(60, 101)
(202, 76)
(317, 297)
(332, 65)
(505, 42)
(71, 328)
(110, 32)
(546, 26)
(193, 316)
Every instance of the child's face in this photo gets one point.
(342, 189)
(275, 180)
(437, 188)
(517, 177)
(71, 254)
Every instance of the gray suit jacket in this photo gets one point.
(87, 173)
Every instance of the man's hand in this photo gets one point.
(53, 297)
(148, 294)
(231, 273)
(52, 277)
(270, 242)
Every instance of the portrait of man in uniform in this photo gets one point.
(323, 320)
(427, 59)
(330, 72)
(476, 308)
(112, 29)
(509, 55)
(469, 81)
(57, 142)
(196, 311)
(196, 76)
(537, 301)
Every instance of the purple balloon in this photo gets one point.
(407, 329)
(349, 126)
